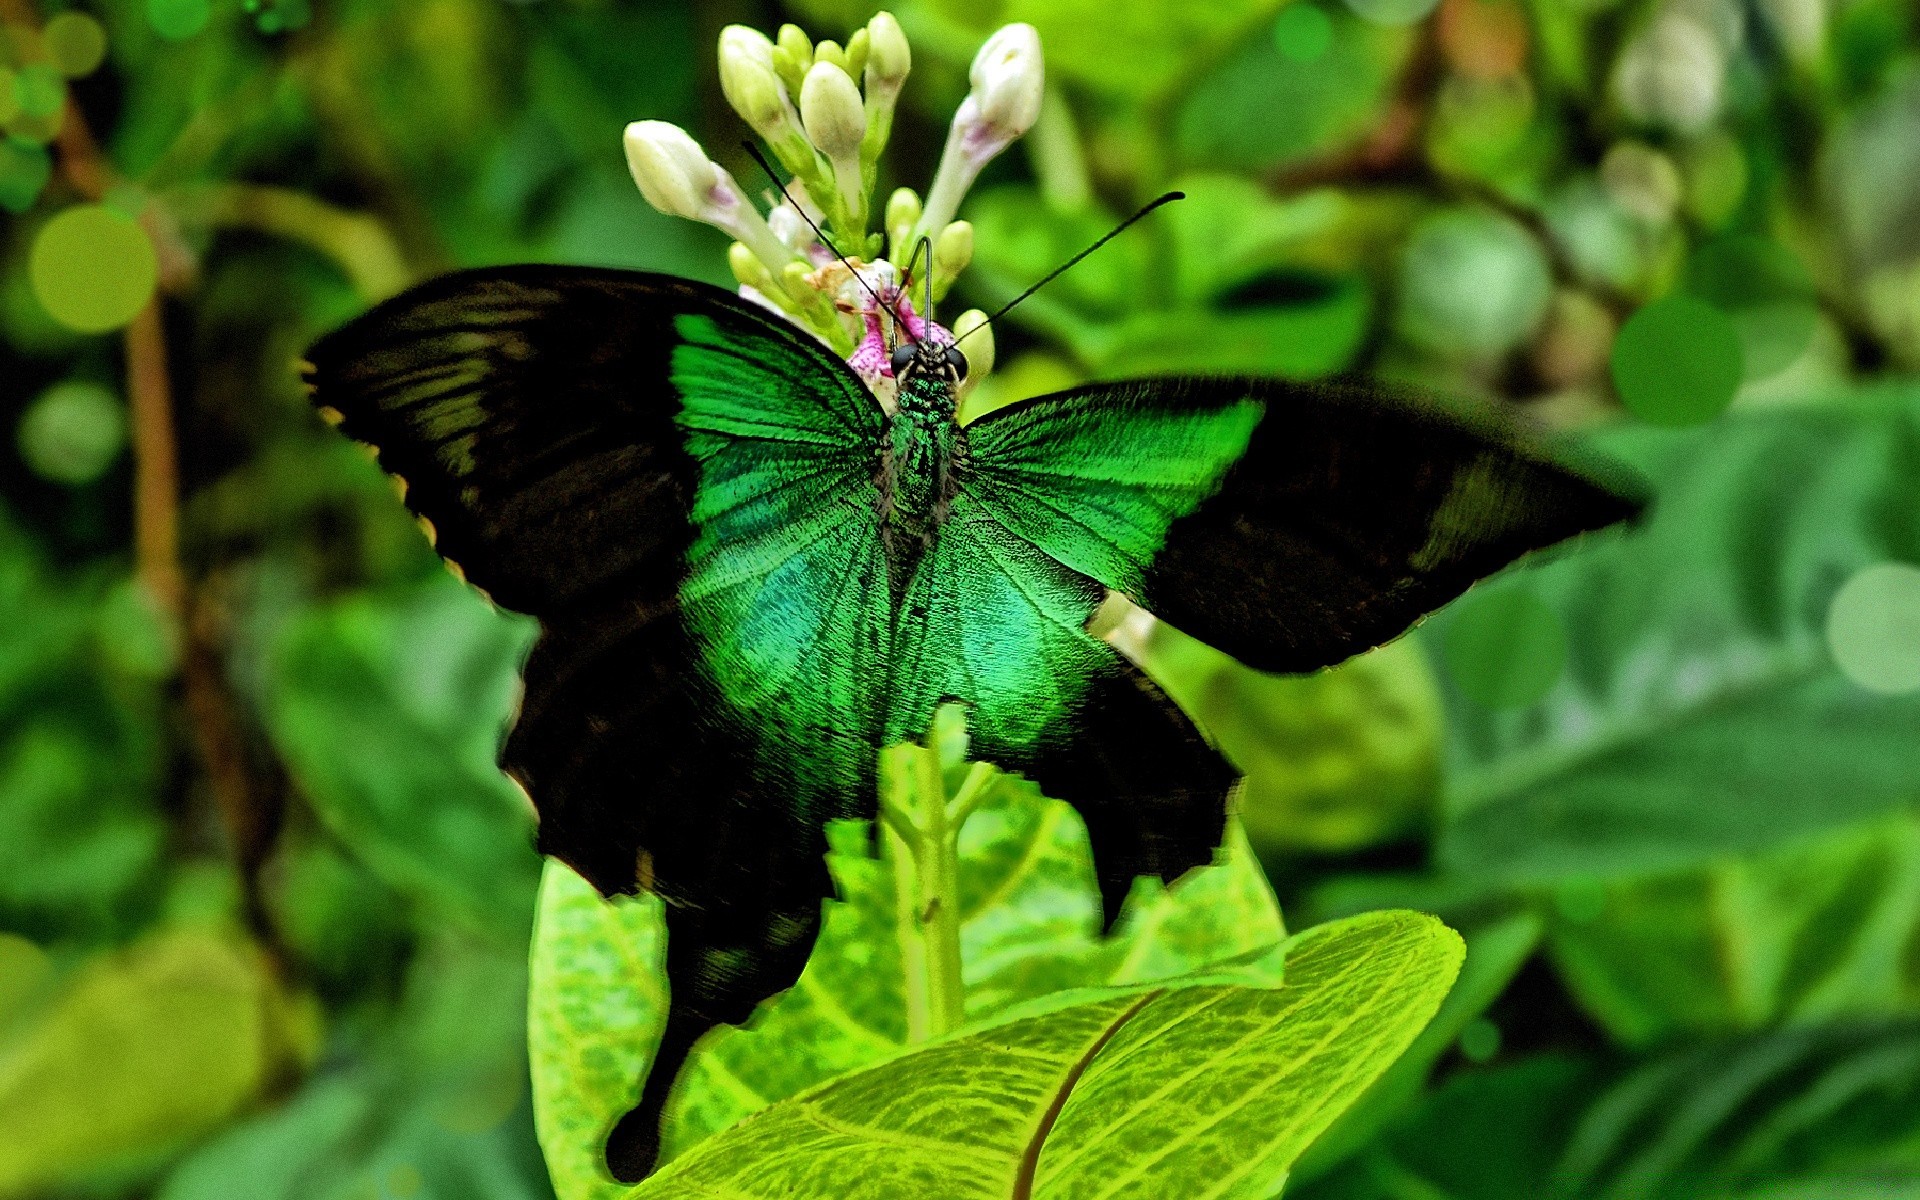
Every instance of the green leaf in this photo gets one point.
(81, 753)
(389, 715)
(1701, 712)
(596, 999)
(143, 1051)
(1837, 1103)
(427, 1102)
(1197, 1091)
(1334, 761)
(1030, 926)
(1810, 930)
(1318, 335)
(1491, 1133)
(1495, 954)
(1130, 49)
(1228, 230)
(1258, 109)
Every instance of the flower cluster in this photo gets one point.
(825, 111)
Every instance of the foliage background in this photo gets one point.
(264, 901)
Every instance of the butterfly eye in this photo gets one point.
(957, 362)
(902, 358)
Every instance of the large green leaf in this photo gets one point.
(389, 715)
(142, 1051)
(429, 1104)
(1815, 929)
(1209, 1090)
(1030, 926)
(1134, 50)
(1495, 953)
(1287, 110)
(1828, 1106)
(596, 999)
(1700, 712)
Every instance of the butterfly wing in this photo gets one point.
(680, 487)
(1001, 626)
(1290, 525)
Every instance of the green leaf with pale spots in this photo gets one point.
(1208, 1091)
(595, 1004)
(1031, 917)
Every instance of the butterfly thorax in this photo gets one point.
(917, 474)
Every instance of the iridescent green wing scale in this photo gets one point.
(1001, 625)
(680, 487)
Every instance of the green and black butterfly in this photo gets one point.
(751, 576)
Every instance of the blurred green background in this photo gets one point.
(264, 900)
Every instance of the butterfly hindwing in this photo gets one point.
(680, 487)
(1290, 525)
(1002, 626)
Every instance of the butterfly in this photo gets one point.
(750, 576)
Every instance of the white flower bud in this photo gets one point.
(974, 338)
(830, 52)
(747, 77)
(830, 109)
(888, 61)
(952, 251)
(1008, 79)
(1008, 82)
(672, 170)
(789, 226)
(677, 177)
(903, 211)
(888, 56)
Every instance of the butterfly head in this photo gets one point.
(927, 359)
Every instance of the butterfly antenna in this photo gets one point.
(1062, 269)
(926, 314)
(788, 197)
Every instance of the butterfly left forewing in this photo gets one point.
(680, 487)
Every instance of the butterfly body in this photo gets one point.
(750, 577)
(925, 446)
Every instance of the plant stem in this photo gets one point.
(922, 835)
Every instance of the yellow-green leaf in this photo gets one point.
(1204, 1091)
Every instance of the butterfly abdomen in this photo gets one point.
(918, 481)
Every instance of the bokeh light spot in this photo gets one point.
(39, 90)
(93, 268)
(1873, 628)
(178, 19)
(1678, 361)
(1506, 649)
(72, 432)
(1302, 32)
(75, 42)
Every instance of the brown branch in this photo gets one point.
(156, 464)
